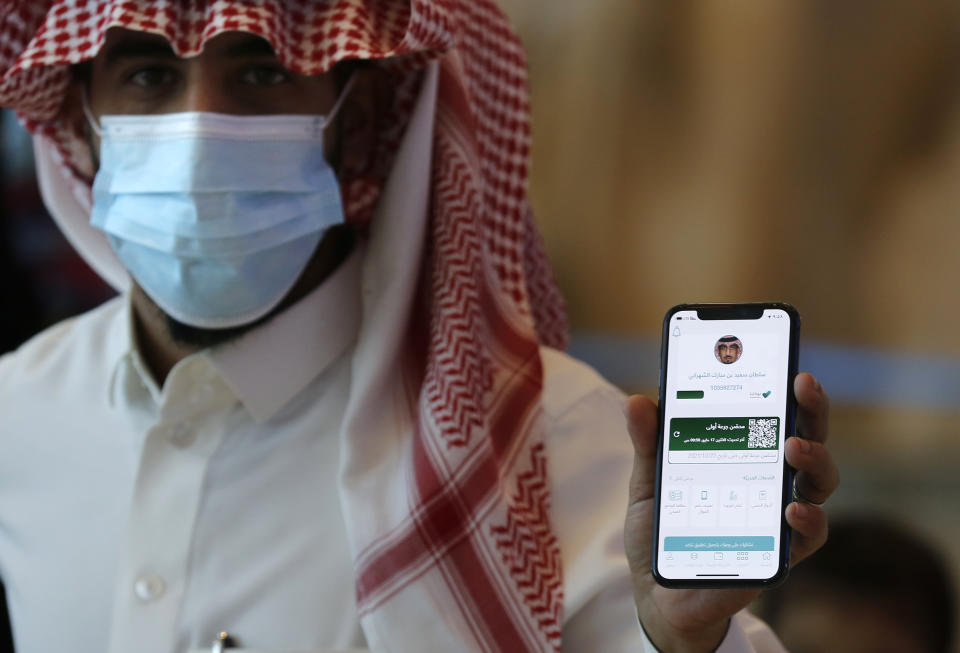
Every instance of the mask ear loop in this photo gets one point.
(88, 114)
(328, 119)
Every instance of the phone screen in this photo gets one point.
(725, 415)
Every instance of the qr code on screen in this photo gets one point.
(761, 433)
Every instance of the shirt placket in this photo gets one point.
(152, 580)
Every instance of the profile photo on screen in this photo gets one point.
(728, 349)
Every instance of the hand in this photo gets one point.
(697, 620)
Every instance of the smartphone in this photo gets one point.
(726, 407)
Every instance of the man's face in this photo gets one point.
(728, 352)
(237, 73)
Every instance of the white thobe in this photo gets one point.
(134, 517)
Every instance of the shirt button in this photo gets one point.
(149, 588)
(182, 436)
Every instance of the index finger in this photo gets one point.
(813, 407)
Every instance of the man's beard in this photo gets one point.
(203, 338)
(186, 335)
(336, 245)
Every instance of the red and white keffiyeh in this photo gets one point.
(472, 536)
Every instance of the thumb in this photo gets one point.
(641, 414)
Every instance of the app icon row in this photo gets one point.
(730, 505)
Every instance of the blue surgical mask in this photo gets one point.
(215, 215)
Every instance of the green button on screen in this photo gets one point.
(689, 394)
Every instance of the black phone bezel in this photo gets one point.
(729, 311)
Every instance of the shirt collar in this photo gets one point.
(268, 366)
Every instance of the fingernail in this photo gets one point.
(804, 445)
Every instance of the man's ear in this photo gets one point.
(359, 119)
(86, 144)
(71, 111)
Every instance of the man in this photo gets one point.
(309, 432)
(728, 349)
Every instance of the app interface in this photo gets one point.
(722, 467)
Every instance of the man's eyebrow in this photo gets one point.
(138, 48)
(254, 46)
(159, 48)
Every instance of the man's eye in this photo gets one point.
(265, 75)
(151, 77)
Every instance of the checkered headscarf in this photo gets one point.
(479, 486)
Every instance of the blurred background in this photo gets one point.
(806, 152)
